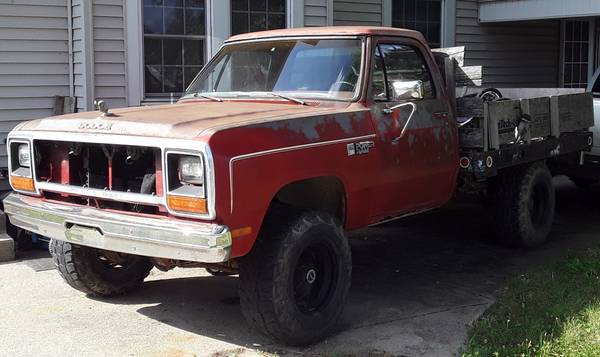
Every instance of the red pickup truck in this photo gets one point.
(285, 140)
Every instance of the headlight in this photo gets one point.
(185, 183)
(191, 170)
(24, 155)
(21, 176)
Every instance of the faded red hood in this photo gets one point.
(183, 120)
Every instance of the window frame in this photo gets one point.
(418, 47)
(266, 12)
(205, 46)
(426, 21)
(591, 41)
(216, 34)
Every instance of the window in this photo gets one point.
(401, 66)
(576, 45)
(257, 15)
(174, 42)
(307, 68)
(424, 16)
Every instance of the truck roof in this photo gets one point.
(330, 31)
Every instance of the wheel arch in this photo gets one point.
(322, 193)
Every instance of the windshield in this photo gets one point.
(313, 68)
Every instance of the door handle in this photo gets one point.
(389, 111)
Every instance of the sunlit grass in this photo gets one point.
(551, 312)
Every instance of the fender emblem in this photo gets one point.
(360, 148)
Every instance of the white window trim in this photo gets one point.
(448, 20)
(134, 52)
(295, 13)
(591, 49)
(135, 47)
(218, 29)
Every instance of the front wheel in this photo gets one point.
(97, 272)
(295, 281)
(524, 205)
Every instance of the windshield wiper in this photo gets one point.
(214, 99)
(291, 99)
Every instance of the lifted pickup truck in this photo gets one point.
(286, 140)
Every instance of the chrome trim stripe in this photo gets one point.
(140, 235)
(129, 197)
(285, 149)
(164, 144)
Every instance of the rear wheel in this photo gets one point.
(524, 205)
(97, 272)
(295, 281)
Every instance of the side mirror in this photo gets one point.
(403, 90)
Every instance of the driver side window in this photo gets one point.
(396, 67)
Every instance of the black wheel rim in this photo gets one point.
(538, 202)
(315, 278)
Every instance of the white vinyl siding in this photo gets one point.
(358, 12)
(513, 54)
(34, 61)
(315, 12)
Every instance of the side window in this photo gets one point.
(379, 87)
(402, 66)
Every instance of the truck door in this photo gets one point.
(416, 135)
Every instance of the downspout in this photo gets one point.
(88, 53)
(70, 45)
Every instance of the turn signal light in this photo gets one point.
(187, 204)
(22, 183)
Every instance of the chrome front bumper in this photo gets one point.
(91, 227)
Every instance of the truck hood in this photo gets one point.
(185, 120)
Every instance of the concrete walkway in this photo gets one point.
(418, 284)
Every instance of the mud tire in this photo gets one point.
(524, 205)
(84, 270)
(272, 285)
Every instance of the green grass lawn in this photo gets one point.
(553, 311)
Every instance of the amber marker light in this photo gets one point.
(241, 232)
(22, 183)
(187, 204)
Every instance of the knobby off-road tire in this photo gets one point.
(524, 205)
(294, 283)
(87, 270)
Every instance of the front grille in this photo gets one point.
(109, 168)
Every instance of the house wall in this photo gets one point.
(109, 52)
(518, 54)
(358, 12)
(34, 61)
(315, 12)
